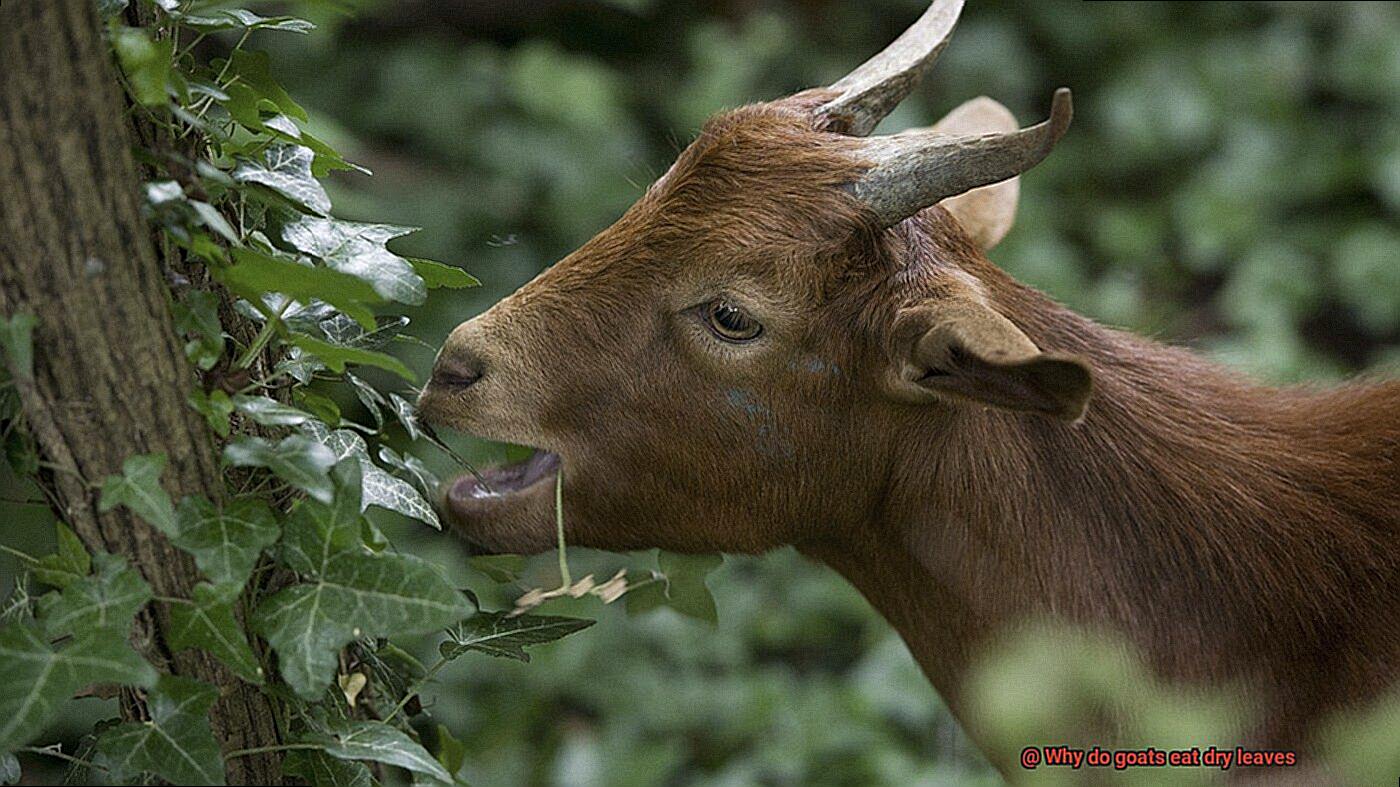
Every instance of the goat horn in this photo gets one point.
(913, 170)
(880, 83)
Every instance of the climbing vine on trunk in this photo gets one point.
(163, 317)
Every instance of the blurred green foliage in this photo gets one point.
(1231, 181)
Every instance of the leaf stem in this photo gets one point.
(417, 687)
(270, 749)
(17, 553)
(58, 753)
(565, 579)
(264, 336)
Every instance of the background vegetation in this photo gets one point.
(1231, 181)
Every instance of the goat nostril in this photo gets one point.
(457, 373)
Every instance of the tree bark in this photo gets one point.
(110, 377)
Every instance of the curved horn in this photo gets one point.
(880, 83)
(913, 170)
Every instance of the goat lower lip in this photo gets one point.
(505, 480)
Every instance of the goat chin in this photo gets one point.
(507, 509)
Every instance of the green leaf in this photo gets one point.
(451, 752)
(70, 564)
(286, 169)
(145, 61)
(422, 478)
(267, 411)
(138, 488)
(685, 583)
(322, 407)
(380, 488)
(358, 595)
(298, 460)
(238, 18)
(322, 770)
(343, 331)
(253, 70)
(500, 568)
(17, 340)
(209, 623)
(110, 8)
(39, 679)
(197, 316)
(244, 105)
(104, 602)
(225, 543)
(359, 249)
(176, 744)
(336, 356)
(349, 594)
(9, 769)
(215, 406)
(436, 274)
(499, 634)
(256, 274)
(378, 742)
(210, 217)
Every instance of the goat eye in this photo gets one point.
(731, 323)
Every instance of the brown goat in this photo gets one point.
(795, 338)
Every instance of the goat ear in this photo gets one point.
(985, 213)
(962, 349)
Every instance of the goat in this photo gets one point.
(795, 338)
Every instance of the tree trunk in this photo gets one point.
(110, 377)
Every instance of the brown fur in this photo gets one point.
(1240, 535)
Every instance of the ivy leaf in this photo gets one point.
(422, 478)
(17, 340)
(436, 274)
(380, 488)
(370, 397)
(9, 769)
(686, 591)
(209, 623)
(349, 594)
(336, 357)
(322, 407)
(254, 71)
(69, 564)
(498, 634)
(102, 603)
(145, 61)
(238, 18)
(299, 461)
(255, 274)
(500, 568)
(322, 770)
(215, 406)
(225, 543)
(210, 217)
(379, 742)
(357, 596)
(110, 8)
(138, 488)
(39, 679)
(197, 316)
(407, 415)
(338, 329)
(176, 744)
(267, 411)
(286, 169)
(452, 753)
(359, 249)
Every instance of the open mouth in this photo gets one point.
(489, 483)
